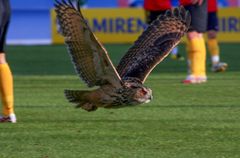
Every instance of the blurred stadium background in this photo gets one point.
(33, 22)
(182, 121)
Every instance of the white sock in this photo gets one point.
(215, 59)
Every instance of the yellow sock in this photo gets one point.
(203, 57)
(213, 48)
(198, 56)
(6, 87)
(189, 56)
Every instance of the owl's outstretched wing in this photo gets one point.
(89, 57)
(154, 44)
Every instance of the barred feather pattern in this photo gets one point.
(93, 65)
(154, 44)
(88, 56)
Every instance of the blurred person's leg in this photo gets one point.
(196, 58)
(196, 46)
(189, 56)
(6, 79)
(213, 46)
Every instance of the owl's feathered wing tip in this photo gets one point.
(180, 13)
(155, 43)
(90, 59)
(185, 15)
(68, 3)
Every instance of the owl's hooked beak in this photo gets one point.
(149, 99)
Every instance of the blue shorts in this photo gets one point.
(212, 23)
(198, 17)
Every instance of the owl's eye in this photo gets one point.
(143, 91)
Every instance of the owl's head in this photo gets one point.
(137, 92)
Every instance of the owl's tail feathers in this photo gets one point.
(79, 97)
(75, 96)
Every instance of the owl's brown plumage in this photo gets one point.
(154, 44)
(90, 59)
(124, 86)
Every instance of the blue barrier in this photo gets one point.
(30, 27)
(102, 3)
(31, 20)
(31, 4)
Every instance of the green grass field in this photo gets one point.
(182, 121)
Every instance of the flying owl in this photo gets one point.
(123, 85)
